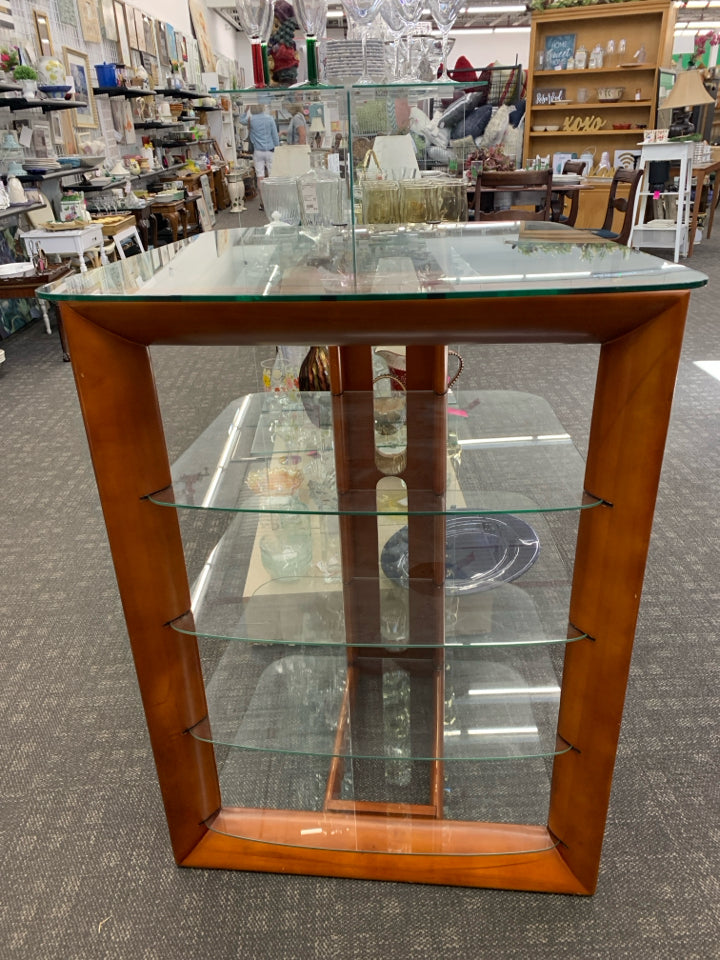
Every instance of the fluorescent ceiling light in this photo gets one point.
(702, 24)
(702, 4)
(512, 30)
(503, 8)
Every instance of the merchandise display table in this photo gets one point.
(383, 670)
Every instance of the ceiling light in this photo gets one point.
(503, 8)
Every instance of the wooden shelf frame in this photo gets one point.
(640, 336)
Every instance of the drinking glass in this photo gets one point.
(411, 13)
(396, 25)
(362, 13)
(312, 15)
(444, 13)
(256, 18)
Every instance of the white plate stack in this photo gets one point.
(344, 63)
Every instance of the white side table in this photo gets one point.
(664, 233)
(66, 242)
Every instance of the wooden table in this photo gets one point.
(464, 283)
(702, 171)
(26, 285)
(75, 242)
(174, 212)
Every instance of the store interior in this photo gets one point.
(154, 151)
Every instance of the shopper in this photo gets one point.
(297, 131)
(264, 138)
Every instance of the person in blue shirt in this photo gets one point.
(264, 138)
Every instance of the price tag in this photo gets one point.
(309, 197)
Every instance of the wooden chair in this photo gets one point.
(530, 182)
(559, 196)
(625, 204)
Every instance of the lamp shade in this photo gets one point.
(687, 92)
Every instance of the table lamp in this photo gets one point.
(688, 91)
(317, 127)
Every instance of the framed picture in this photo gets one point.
(42, 139)
(171, 42)
(78, 67)
(89, 22)
(107, 18)
(122, 31)
(131, 29)
(139, 29)
(162, 44)
(198, 17)
(42, 32)
(149, 28)
(151, 65)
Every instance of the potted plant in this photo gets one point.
(9, 59)
(27, 78)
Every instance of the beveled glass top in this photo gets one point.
(281, 263)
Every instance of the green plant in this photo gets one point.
(25, 72)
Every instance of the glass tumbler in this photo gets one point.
(418, 201)
(452, 200)
(381, 201)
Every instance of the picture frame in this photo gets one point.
(131, 28)
(171, 42)
(42, 34)
(42, 143)
(77, 65)
(107, 20)
(149, 28)
(89, 21)
(162, 44)
(122, 32)
(140, 29)
(198, 18)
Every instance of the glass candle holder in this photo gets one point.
(452, 201)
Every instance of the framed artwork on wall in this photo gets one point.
(78, 67)
(42, 33)
(162, 44)
(198, 17)
(149, 28)
(107, 18)
(139, 28)
(122, 31)
(171, 42)
(89, 21)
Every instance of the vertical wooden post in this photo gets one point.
(127, 445)
(636, 378)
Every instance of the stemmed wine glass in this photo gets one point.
(256, 18)
(362, 13)
(444, 13)
(410, 12)
(312, 15)
(395, 23)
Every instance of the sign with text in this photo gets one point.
(558, 50)
(549, 96)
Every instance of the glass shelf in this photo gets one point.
(266, 455)
(236, 598)
(493, 705)
(401, 833)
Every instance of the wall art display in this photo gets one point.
(6, 17)
(161, 43)
(122, 31)
(131, 28)
(42, 33)
(149, 28)
(558, 50)
(150, 63)
(139, 28)
(107, 20)
(198, 16)
(78, 67)
(42, 145)
(67, 12)
(171, 42)
(89, 21)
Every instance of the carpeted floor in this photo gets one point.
(87, 871)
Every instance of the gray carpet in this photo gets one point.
(87, 870)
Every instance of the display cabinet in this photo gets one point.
(560, 100)
(385, 667)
